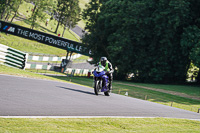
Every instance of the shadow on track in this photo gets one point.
(86, 92)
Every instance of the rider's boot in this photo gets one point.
(110, 86)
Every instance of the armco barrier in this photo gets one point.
(12, 57)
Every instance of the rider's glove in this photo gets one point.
(107, 72)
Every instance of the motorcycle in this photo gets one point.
(101, 81)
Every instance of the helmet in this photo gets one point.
(103, 61)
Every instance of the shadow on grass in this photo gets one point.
(27, 21)
(44, 29)
(76, 90)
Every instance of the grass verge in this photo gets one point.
(46, 72)
(18, 72)
(189, 89)
(90, 125)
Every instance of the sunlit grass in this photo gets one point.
(100, 125)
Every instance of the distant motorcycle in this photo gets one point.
(101, 81)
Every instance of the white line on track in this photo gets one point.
(55, 117)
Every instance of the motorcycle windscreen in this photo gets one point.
(99, 74)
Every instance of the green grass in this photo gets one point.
(18, 72)
(45, 72)
(158, 97)
(25, 9)
(186, 89)
(91, 125)
(30, 46)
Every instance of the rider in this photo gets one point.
(108, 68)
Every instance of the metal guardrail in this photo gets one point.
(12, 57)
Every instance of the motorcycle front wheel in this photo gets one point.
(107, 93)
(97, 87)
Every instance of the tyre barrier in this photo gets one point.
(12, 57)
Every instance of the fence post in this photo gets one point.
(145, 97)
(171, 103)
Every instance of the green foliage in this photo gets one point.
(8, 6)
(68, 13)
(191, 43)
(3, 4)
(192, 72)
(144, 37)
(39, 10)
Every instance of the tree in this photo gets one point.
(68, 13)
(73, 16)
(91, 16)
(191, 44)
(15, 7)
(4, 7)
(142, 37)
(39, 10)
(7, 7)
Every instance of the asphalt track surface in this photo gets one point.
(34, 97)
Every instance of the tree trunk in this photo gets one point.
(57, 26)
(33, 10)
(64, 31)
(58, 23)
(13, 16)
(7, 4)
(7, 16)
(2, 15)
(34, 18)
(16, 11)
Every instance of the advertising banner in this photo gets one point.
(45, 38)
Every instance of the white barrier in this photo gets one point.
(12, 57)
